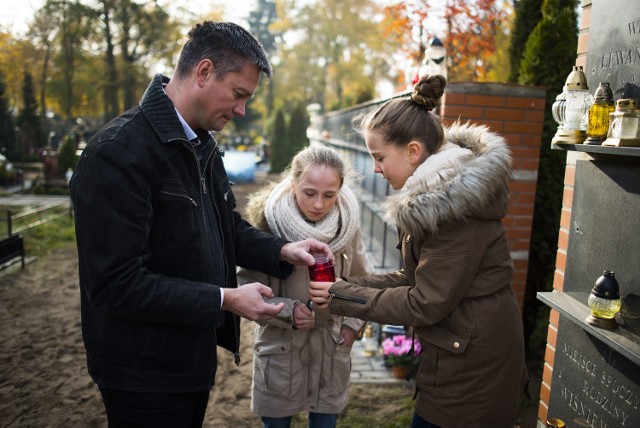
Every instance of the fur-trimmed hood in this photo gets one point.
(255, 206)
(474, 186)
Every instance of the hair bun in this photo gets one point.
(428, 90)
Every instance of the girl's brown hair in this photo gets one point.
(402, 120)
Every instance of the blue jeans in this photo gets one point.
(316, 420)
(418, 422)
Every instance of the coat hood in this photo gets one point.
(256, 204)
(475, 186)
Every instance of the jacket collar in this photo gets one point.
(160, 111)
(475, 186)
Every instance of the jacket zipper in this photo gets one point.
(203, 187)
(354, 299)
(215, 206)
(212, 156)
(178, 195)
(236, 354)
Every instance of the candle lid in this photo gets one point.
(606, 286)
(603, 94)
(576, 81)
(626, 104)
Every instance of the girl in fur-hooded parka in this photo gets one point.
(455, 285)
(302, 358)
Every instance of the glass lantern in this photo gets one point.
(570, 110)
(604, 301)
(434, 62)
(602, 107)
(624, 124)
(369, 342)
(435, 59)
(555, 423)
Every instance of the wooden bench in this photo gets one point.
(11, 248)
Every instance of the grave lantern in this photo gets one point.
(604, 301)
(369, 342)
(598, 124)
(435, 61)
(570, 109)
(624, 124)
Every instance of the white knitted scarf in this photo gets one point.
(336, 229)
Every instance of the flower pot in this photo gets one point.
(401, 372)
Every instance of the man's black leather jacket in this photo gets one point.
(150, 268)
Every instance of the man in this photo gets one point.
(159, 240)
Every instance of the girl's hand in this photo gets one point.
(349, 336)
(319, 293)
(303, 317)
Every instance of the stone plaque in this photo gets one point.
(592, 385)
(614, 47)
(604, 232)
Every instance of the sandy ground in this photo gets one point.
(43, 375)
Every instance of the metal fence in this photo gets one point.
(24, 220)
(335, 130)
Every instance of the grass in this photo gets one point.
(47, 237)
(50, 236)
(372, 406)
(388, 406)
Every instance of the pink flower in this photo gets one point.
(398, 349)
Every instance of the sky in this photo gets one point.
(15, 14)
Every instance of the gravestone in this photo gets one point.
(596, 373)
(614, 47)
(593, 385)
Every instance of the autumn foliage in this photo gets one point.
(469, 26)
(470, 40)
(405, 23)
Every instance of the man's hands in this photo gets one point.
(298, 253)
(247, 302)
(303, 317)
(319, 293)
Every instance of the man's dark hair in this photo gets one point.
(227, 45)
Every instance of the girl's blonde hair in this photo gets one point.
(320, 155)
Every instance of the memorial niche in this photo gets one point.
(595, 371)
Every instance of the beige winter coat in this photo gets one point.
(301, 371)
(455, 289)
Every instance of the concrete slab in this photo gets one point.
(371, 369)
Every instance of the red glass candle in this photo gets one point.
(323, 270)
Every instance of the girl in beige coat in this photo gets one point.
(455, 285)
(301, 358)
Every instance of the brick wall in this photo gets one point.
(516, 113)
(563, 237)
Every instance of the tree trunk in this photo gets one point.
(111, 108)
